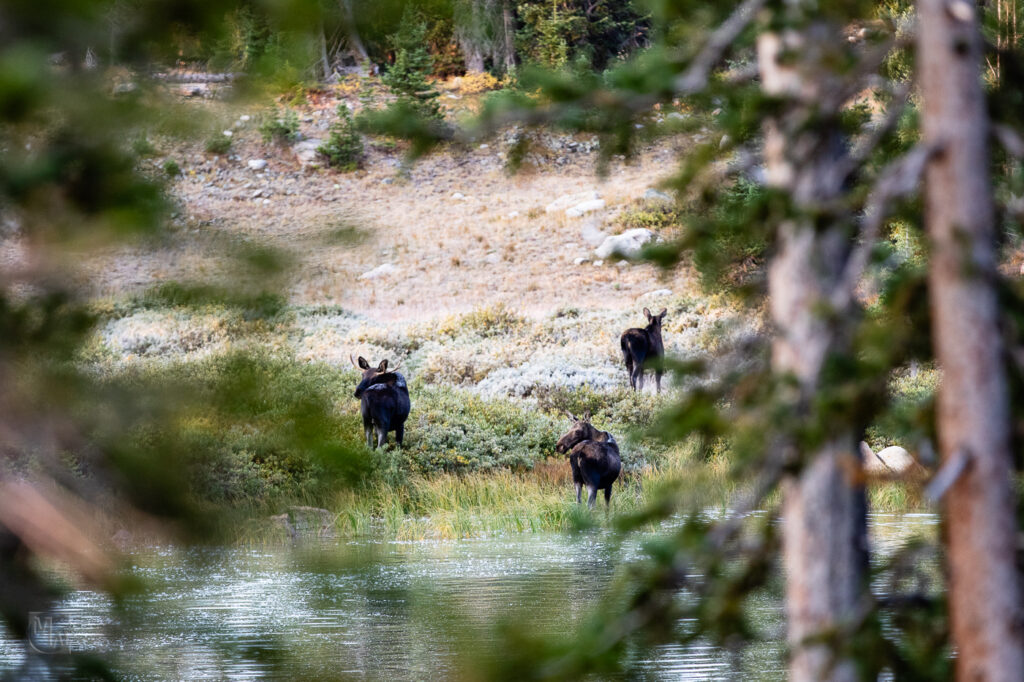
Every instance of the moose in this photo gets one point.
(594, 457)
(384, 401)
(642, 346)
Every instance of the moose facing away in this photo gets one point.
(594, 456)
(641, 347)
(384, 401)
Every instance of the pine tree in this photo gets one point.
(407, 78)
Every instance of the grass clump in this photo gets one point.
(171, 168)
(218, 144)
(486, 322)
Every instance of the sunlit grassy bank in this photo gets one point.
(264, 400)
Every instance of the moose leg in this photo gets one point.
(382, 436)
(629, 368)
(657, 379)
(608, 496)
(591, 496)
(368, 432)
(399, 434)
(579, 492)
(640, 379)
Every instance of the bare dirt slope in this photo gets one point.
(460, 232)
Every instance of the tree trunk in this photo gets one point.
(355, 43)
(823, 510)
(973, 408)
(508, 27)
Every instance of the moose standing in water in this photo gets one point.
(384, 401)
(594, 456)
(641, 346)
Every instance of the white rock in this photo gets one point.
(623, 264)
(382, 270)
(580, 261)
(484, 146)
(656, 293)
(598, 263)
(657, 195)
(676, 115)
(592, 233)
(256, 164)
(492, 258)
(513, 214)
(458, 196)
(891, 460)
(567, 200)
(244, 117)
(628, 244)
(228, 133)
(307, 154)
(584, 208)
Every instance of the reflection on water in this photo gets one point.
(385, 610)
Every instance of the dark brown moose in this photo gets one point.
(384, 401)
(642, 348)
(594, 456)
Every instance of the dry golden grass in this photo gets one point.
(495, 244)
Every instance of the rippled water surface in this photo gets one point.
(384, 610)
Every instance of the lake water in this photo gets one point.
(384, 610)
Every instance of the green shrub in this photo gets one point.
(344, 147)
(453, 430)
(218, 143)
(651, 215)
(171, 168)
(280, 127)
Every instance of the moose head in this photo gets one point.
(654, 321)
(580, 431)
(373, 375)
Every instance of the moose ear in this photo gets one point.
(586, 416)
(570, 415)
(647, 313)
(363, 364)
(383, 366)
(663, 312)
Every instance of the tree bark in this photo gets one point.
(823, 510)
(508, 26)
(973, 407)
(355, 43)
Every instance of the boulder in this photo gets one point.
(569, 200)
(626, 245)
(584, 207)
(655, 195)
(888, 461)
(256, 164)
(306, 153)
(382, 270)
(657, 293)
(593, 234)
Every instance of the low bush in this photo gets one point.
(280, 127)
(218, 143)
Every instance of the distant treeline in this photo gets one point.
(462, 36)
